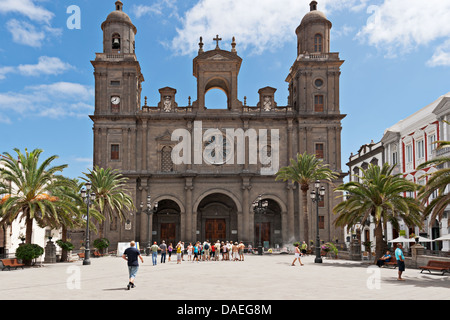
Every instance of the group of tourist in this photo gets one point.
(206, 251)
(198, 251)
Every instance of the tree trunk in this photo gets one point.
(29, 227)
(305, 212)
(379, 243)
(64, 252)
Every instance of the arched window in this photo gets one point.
(116, 41)
(318, 39)
(166, 159)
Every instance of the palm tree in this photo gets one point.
(73, 214)
(378, 195)
(306, 169)
(437, 183)
(110, 196)
(28, 190)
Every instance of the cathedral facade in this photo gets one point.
(205, 168)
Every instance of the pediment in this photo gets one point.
(217, 57)
(443, 107)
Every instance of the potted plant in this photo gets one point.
(332, 248)
(100, 244)
(27, 252)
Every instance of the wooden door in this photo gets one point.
(215, 229)
(168, 233)
(265, 232)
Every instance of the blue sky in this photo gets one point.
(396, 52)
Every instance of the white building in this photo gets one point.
(409, 143)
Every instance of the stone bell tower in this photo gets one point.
(314, 76)
(117, 73)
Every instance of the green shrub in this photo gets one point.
(29, 252)
(101, 243)
(65, 245)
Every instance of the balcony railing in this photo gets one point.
(444, 152)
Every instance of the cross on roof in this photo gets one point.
(217, 39)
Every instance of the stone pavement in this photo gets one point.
(270, 277)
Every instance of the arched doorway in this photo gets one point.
(270, 224)
(217, 218)
(166, 222)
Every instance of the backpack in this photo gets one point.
(206, 246)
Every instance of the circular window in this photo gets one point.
(318, 83)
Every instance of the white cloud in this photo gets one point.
(4, 71)
(28, 34)
(441, 56)
(57, 100)
(257, 25)
(27, 8)
(25, 33)
(158, 8)
(399, 26)
(46, 65)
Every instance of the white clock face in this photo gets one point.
(115, 100)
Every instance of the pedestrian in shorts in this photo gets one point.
(131, 255)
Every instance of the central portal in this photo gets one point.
(217, 218)
(215, 229)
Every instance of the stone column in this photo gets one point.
(290, 214)
(143, 221)
(190, 223)
(245, 209)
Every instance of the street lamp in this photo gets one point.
(87, 197)
(317, 195)
(149, 211)
(260, 207)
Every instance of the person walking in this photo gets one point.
(131, 255)
(154, 249)
(400, 261)
(304, 247)
(163, 248)
(297, 255)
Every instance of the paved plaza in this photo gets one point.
(270, 277)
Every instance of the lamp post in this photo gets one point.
(260, 207)
(149, 211)
(317, 195)
(87, 196)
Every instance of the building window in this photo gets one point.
(166, 159)
(420, 149)
(114, 152)
(431, 142)
(394, 158)
(321, 222)
(409, 154)
(319, 150)
(318, 43)
(318, 103)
